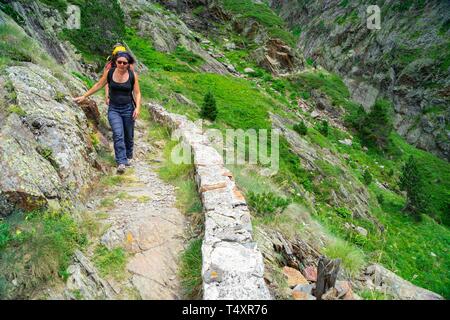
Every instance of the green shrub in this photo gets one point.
(110, 262)
(35, 247)
(367, 177)
(344, 212)
(352, 258)
(301, 128)
(266, 203)
(380, 199)
(209, 108)
(324, 128)
(4, 234)
(377, 125)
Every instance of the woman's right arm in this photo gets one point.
(100, 84)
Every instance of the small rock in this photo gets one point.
(344, 290)
(230, 46)
(249, 70)
(361, 231)
(314, 114)
(331, 294)
(306, 288)
(294, 277)
(298, 295)
(347, 142)
(310, 273)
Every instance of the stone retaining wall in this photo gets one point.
(232, 266)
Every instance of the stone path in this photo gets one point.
(145, 221)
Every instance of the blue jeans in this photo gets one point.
(122, 124)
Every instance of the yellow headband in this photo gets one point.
(119, 49)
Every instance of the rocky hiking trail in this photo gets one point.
(139, 215)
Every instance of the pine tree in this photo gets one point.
(367, 177)
(324, 128)
(377, 125)
(301, 128)
(209, 108)
(411, 182)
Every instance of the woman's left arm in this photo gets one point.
(137, 96)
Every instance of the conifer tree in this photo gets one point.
(209, 108)
(411, 182)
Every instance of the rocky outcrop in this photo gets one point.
(44, 24)
(378, 278)
(84, 281)
(46, 153)
(348, 192)
(232, 265)
(167, 32)
(277, 57)
(406, 60)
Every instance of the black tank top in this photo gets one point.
(120, 94)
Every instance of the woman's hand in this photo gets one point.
(107, 101)
(136, 113)
(79, 99)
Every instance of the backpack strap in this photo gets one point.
(131, 73)
(110, 74)
(132, 79)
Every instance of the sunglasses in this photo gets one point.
(122, 62)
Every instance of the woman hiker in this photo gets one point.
(123, 108)
(118, 47)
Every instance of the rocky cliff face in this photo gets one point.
(46, 153)
(407, 60)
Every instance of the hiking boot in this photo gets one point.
(121, 168)
(129, 162)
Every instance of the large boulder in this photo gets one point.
(46, 151)
(377, 277)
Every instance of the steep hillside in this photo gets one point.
(336, 193)
(407, 60)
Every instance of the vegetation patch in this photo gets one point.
(190, 271)
(35, 248)
(110, 263)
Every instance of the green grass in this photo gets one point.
(156, 60)
(190, 270)
(374, 295)
(35, 248)
(17, 110)
(110, 263)
(436, 176)
(239, 104)
(352, 258)
(181, 176)
(112, 180)
(91, 39)
(87, 81)
(405, 236)
(17, 46)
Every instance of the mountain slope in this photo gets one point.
(261, 82)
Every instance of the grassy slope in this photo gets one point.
(406, 247)
(242, 105)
